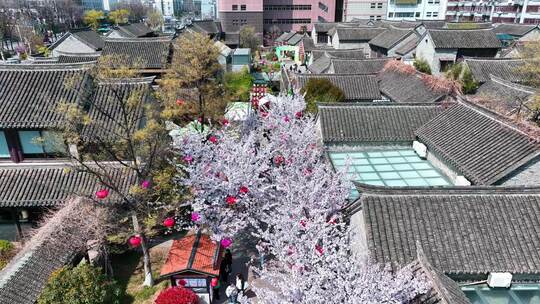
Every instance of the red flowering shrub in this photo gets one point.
(177, 295)
(400, 67)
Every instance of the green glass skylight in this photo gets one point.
(516, 294)
(396, 167)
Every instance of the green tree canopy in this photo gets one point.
(321, 90)
(84, 284)
(238, 85)
(422, 66)
(119, 16)
(92, 18)
(249, 38)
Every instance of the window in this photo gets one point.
(38, 142)
(235, 7)
(378, 18)
(321, 19)
(390, 15)
(435, 14)
(4, 149)
(373, 5)
(294, 7)
(379, 5)
(287, 21)
(243, 7)
(235, 22)
(404, 15)
(428, 14)
(417, 15)
(371, 17)
(323, 7)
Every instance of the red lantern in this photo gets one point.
(180, 101)
(214, 282)
(303, 223)
(286, 119)
(168, 222)
(231, 200)
(182, 282)
(243, 190)
(225, 121)
(135, 241)
(213, 139)
(226, 242)
(298, 115)
(101, 194)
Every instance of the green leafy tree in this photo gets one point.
(7, 251)
(461, 73)
(83, 284)
(238, 85)
(321, 90)
(119, 16)
(191, 89)
(249, 38)
(92, 18)
(422, 66)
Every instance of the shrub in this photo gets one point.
(177, 295)
(321, 90)
(7, 251)
(84, 284)
(422, 66)
(238, 85)
(463, 75)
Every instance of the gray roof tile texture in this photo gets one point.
(30, 94)
(135, 30)
(400, 87)
(152, 52)
(355, 87)
(479, 146)
(358, 34)
(91, 38)
(364, 67)
(507, 69)
(372, 122)
(49, 186)
(463, 231)
(515, 29)
(390, 37)
(464, 39)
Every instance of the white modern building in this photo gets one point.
(165, 7)
(364, 9)
(416, 9)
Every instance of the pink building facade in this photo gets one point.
(287, 15)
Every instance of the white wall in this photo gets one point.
(72, 45)
(426, 51)
(423, 10)
(361, 9)
(358, 230)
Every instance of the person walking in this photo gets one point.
(226, 266)
(241, 283)
(232, 293)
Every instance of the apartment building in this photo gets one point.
(416, 9)
(287, 15)
(516, 11)
(364, 9)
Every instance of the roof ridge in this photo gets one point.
(516, 86)
(492, 115)
(136, 80)
(366, 189)
(53, 66)
(142, 39)
(379, 104)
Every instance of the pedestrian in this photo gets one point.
(232, 293)
(241, 284)
(215, 288)
(226, 266)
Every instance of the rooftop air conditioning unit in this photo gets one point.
(462, 181)
(420, 149)
(499, 279)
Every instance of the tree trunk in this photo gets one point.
(148, 279)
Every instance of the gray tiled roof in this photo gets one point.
(48, 186)
(507, 69)
(400, 87)
(30, 94)
(443, 290)
(206, 26)
(320, 65)
(90, 37)
(514, 29)
(76, 59)
(464, 39)
(363, 66)
(135, 30)
(389, 38)
(464, 232)
(153, 52)
(355, 87)
(477, 143)
(308, 44)
(107, 120)
(339, 54)
(373, 122)
(409, 44)
(357, 34)
(508, 96)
